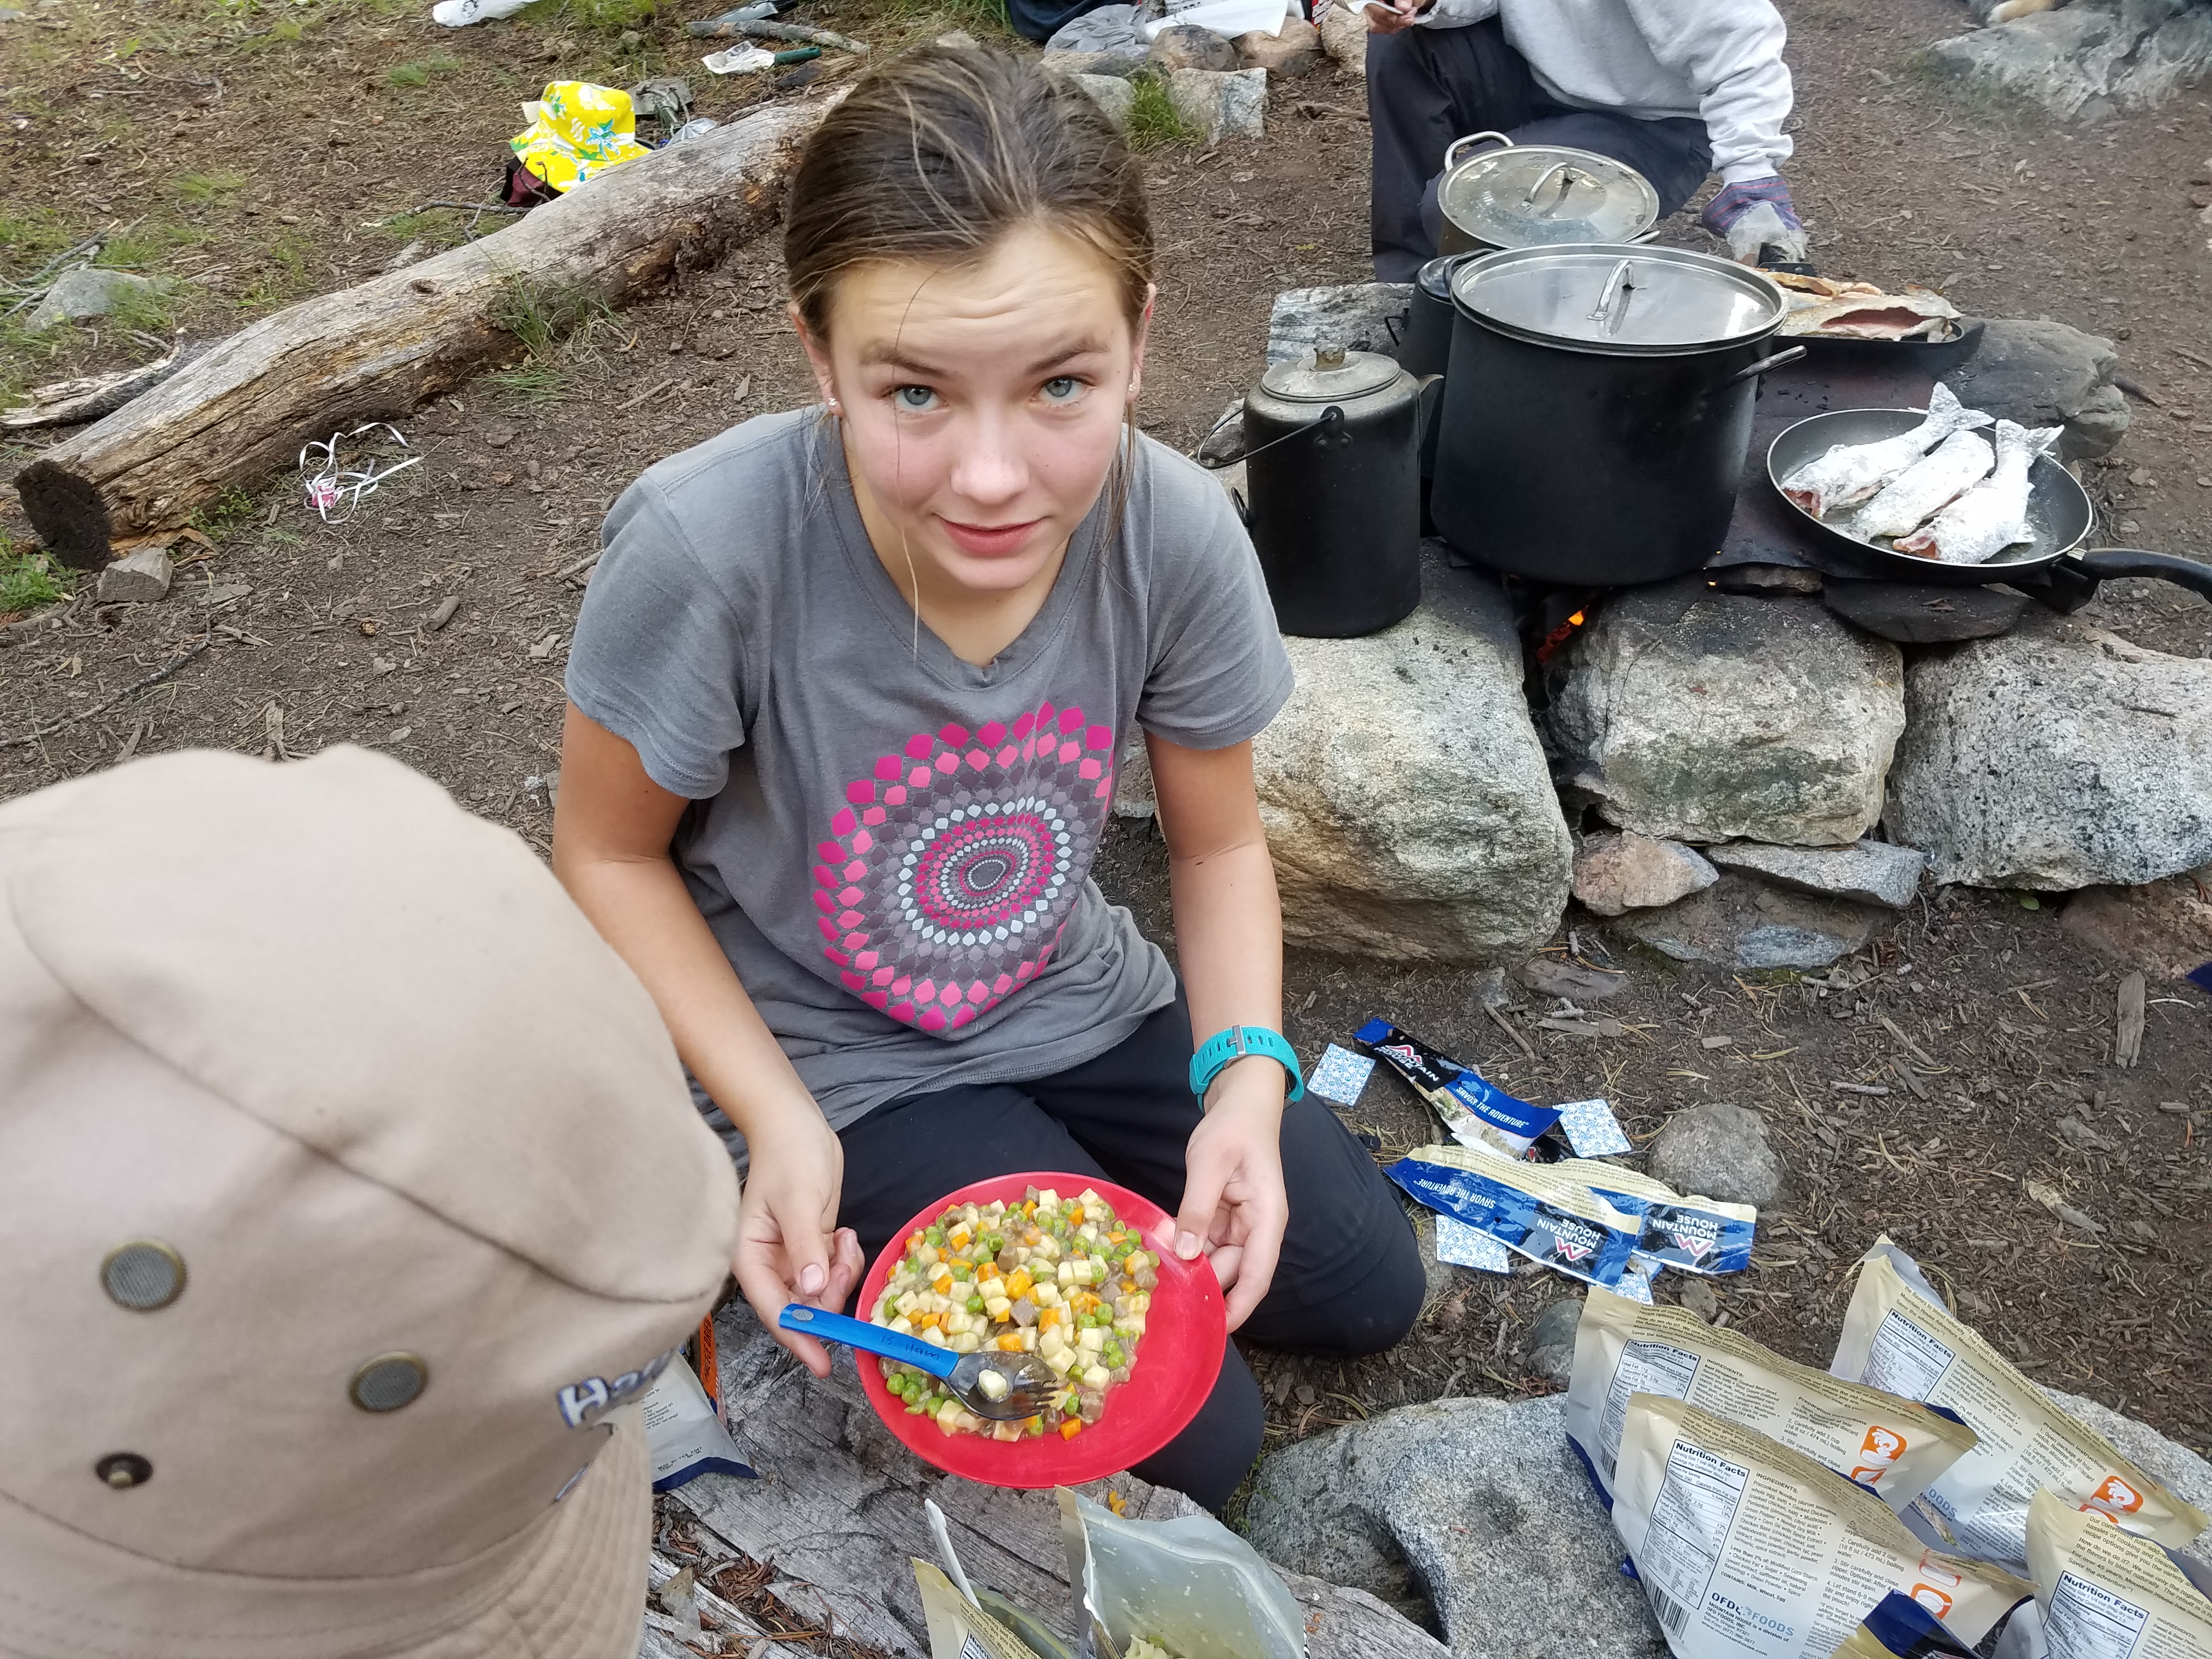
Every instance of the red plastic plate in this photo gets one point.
(1177, 1359)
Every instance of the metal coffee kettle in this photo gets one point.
(1332, 465)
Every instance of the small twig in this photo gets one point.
(650, 391)
(130, 690)
(464, 207)
(579, 567)
(758, 29)
(2135, 390)
(1526, 1047)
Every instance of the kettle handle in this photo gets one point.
(1452, 150)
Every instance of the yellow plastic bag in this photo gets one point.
(580, 131)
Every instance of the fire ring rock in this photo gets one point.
(1689, 715)
(2057, 757)
(1405, 793)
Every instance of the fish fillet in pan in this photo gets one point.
(1992, 515)
(1929, 484)
(1849, 473)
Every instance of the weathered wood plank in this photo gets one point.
(838, 1513)
(380, 349)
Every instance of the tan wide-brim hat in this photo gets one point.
(351, 1197)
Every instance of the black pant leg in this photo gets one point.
(1426, 87)
(1675, 153)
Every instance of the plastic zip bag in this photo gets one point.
(1891, 1446)
(1189, 1586)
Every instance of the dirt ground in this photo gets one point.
(254, 151)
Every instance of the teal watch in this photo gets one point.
(1239, 1041)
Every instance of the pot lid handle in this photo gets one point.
(1452, 150)
(1604, 312)
(1568, 174)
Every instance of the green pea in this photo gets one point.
(935, 1235)
(975, 1304)
(995, 1242)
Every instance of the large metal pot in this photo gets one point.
(1597, 408)
(1334, 476)
(1537, 196)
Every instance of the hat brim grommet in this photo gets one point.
(122, 1470)
(142, 1274)
(389, 1382)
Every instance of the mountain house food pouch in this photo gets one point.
(1896, 1339)
(684, 1433)
(1748, 1549)
(1526, 1208)
(2101, 1593)
(1696, 1235)
(1899, 1627)
(1891, 1445)
(1472, 1110)
(958, 1629)
(1189, 1587)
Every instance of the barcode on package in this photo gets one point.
(972, 1648)
(1673, 1614)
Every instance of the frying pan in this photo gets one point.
(2059, 517)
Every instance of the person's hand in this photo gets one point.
(1754, 215)
(790, 1247)
(1234, 1208)
(1388, 18)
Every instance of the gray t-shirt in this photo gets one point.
(892, 845)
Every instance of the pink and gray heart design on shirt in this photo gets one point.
(955, 866)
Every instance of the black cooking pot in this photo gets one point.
(1597, 407)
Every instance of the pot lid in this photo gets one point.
(1634, 300)
(1539, 195)
(1330, 374)
(1434, 278)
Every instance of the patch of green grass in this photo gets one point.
(541, 316)
(981, 18)
(30, 235)
(215, 189)
(604, 16)
(1152, 117)
(231, 509)
(529, 383)
(418, 73)
(28, 579)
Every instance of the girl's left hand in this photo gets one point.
(1234, 1207)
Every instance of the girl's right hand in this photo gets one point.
(790, 1247)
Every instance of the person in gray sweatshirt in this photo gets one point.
(1677, 89)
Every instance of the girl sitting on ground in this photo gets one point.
(848, 694)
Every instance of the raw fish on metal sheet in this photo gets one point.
(1849, 473)
(1929, 484)
(1992, 515)
(1919, 314)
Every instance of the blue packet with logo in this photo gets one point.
(1474, 1110)
(1524, 1207)
(1695, 1234)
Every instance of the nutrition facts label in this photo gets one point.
(1905, 1360)
(1645, 1368)
(2088, 1622)
(1690, 1523)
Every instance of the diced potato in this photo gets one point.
(1047, 1296)
(1048, 1200)
(956, 1321)
(1090, 1341)
(1005, 1432)
(901, 1327)
(1030, 1340)
(1062, 1360)
(935, 1337)
(949, 1415)
(1130, 1324)
(1066, 1274)
(1097, 1377)
(1000, 1307)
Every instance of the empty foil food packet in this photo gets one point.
(1899, 1338)
(1891, 1446)
(959, 1628)
(1696, 1235)
(1748, 1549)
(685, 1437)
(2101, 1593)
(1525, 1206)
(1472, 1110)
(1900, 1628)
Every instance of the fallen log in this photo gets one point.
(381, 348)
(69, 403)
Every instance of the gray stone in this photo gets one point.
(1629, 872)
(2039, 373)
(1472, 1508)
(1913, 613)
(2088, 60)
(1294, 52)
(1717, 1151)
(1698, 1298)
(1119, 65)
(1132, 781)
(1551, 1341)
(1187, 46)
(1113, 95)
(1698, 716)
(1407, 798)
(1213, 107)
(1344, 37)
(87, 291)
(1870, 872)
(2181, 1471)
(957, 40)
(137, 577)
(1570, 979)
(1743, 922)
(2058, 756)
(1358, 316)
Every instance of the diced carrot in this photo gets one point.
(1075, 1215)
(1129, 1284)
(1070, 1427)
(1046, 1318)
(922, 1321)
(942, 1284)
(1010, 1343)
(1019, 1283)
(988, 1270)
